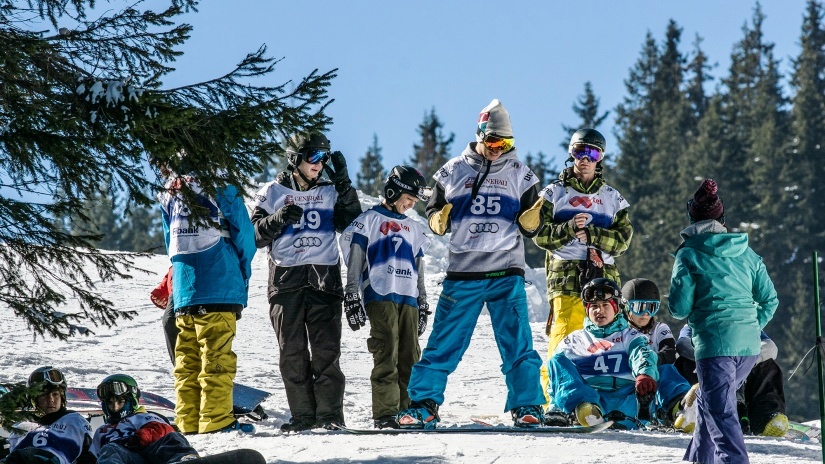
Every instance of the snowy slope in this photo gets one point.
(476, 389)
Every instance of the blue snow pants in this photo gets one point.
(459, 306)
(568, 389)
(718, 436)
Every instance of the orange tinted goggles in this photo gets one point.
(498, 143)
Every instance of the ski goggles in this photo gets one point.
(315, 155)
(48, 375)
(496, 143)
(112, 389)
(582, 151)
(594, 294)
(642, 307)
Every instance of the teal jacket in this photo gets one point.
(723, 289)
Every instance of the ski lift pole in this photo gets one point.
(819, 350)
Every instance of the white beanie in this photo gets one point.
(494, 120)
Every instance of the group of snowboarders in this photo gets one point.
(608, 358)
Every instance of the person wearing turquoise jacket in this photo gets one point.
(723, 290)
(211, 264)
(606, 367)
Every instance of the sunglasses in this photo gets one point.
(48, 375)
(642, 307)
(495, 143)
(314, 155)
(109, 390)
(582, 151)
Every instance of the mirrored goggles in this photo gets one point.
(112, 389)
(591, 153)
(494, 143)
(48, 375)
(642, 307)
(315, 155)
(594, 294)
(424, 193)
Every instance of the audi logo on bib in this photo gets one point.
(304, 242)
(482, 227)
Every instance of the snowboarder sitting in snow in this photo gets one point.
(380, 240)
(60, 436)
(608, 366)
(760, 402)
(131, 434)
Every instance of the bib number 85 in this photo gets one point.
(492, 206)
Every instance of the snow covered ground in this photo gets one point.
(476, 389)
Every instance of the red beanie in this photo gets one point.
(706, 204)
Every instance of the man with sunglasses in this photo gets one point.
(59, 435)
(296, 217)
(481, 196)
(586, 225)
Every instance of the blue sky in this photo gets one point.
(397, 60)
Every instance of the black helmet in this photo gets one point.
(301, 144)
(640, 289)
(123, 387)
(587, 136)
(601, 289)
(406, 179)
(50, 379)
(642, 297)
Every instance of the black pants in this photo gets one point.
(170, 330)
(308, 325)
(763, 392)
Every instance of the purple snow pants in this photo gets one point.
(718, 438)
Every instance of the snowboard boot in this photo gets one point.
(776, 427)
(238, 427)
(643, 407)
(527, 416)
(589, 414)
(686, 418)
(420, 415)
(295, 425)
(386, 422)
(556, 418)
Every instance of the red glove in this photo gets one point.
(160, 295)
(152, 432)
(645, 385)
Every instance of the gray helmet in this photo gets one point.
(640, 289)
(587, 136)
(300, 145)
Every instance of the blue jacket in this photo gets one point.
(723, 289)
(215, 267)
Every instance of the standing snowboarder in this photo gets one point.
(296, 217)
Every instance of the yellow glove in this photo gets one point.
(439, 220)
(530, 220)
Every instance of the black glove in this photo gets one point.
(356, 315)
(338, 173)
(423, 312)
(289, 214)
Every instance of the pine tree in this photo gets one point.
(85, 102)
(799, 202)
(370, 178)
(587, 108)
(434, 149)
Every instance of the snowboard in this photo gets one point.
(483, 429)
(803, 432)
(247, 402)
(85, 399)
(238, 456)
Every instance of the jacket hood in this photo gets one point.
(718, 244)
